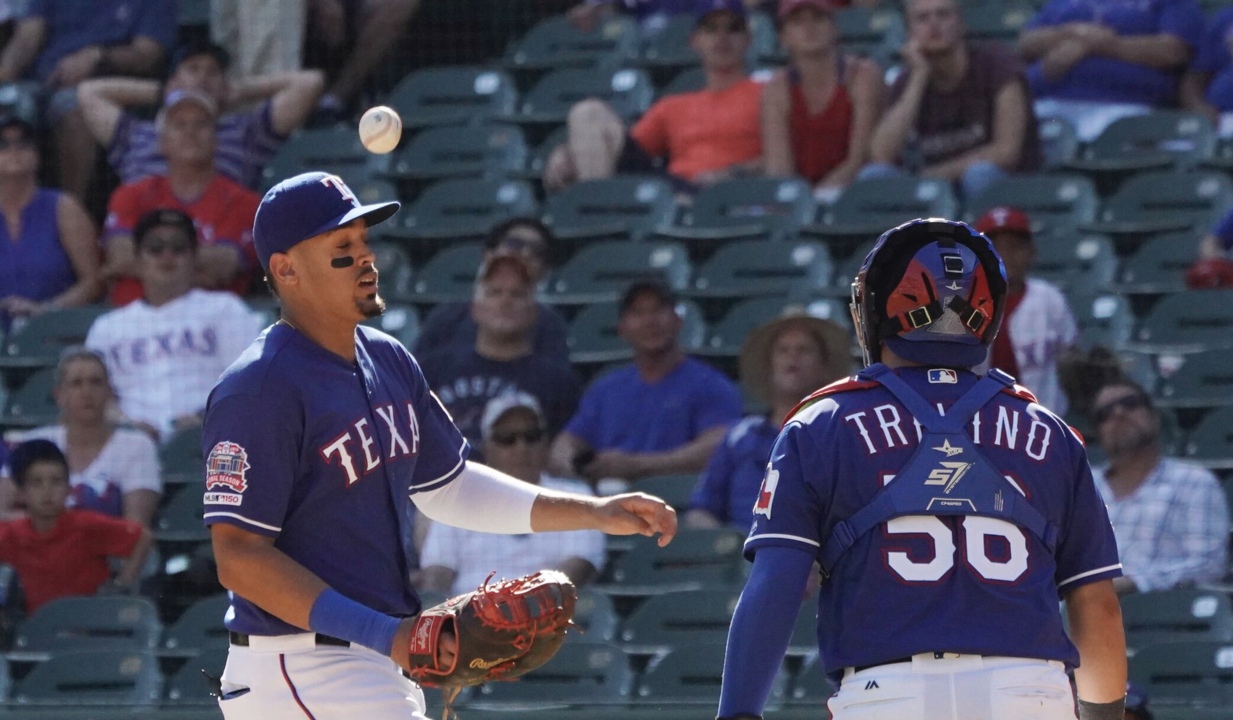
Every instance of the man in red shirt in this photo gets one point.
(223, 210)
(59, 552)
(706, 136)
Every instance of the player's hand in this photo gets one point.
(447, 646)
(636, 514)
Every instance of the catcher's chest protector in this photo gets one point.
(947, 475)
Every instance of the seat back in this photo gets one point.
(103, 677)
(400, 321)
(335, 147)
(1181, 198)
(996, 21)
(776, 205)
(1180, 614)
(449, 276)
(1102, 318)
(453, 95)
(1058, 141)
(1159, 265)
(394, 267)
(593, 334)
(1188, 321)
(1204, 380)
(601, 271)
(867, 30)
(693, 673)
(94, 623)
(1211, 441)
(729, 333)
(675, 490)
(467, 208)
(1191, 672)
(200, 628)
(752, 268)
(1051, 201)
(622, 206)
(628, 92)
(595, 616)
(555, 42)
(677, 618)
(181, 457)
(1177, 136)
(462, 151)
(189, 685)
(886, 202)
(580, 672)
(1090, 262)
(39, 340)
(181, 520)
(694, 558)
(32, 405)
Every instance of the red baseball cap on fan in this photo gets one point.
(787, 7)
(1004, 219)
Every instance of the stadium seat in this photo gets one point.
(364, 183)
(39, 341)
(678, 618)
(21, 99)
(626, 206)
(1172, 615)
(869, 208)
(628, 92)
(729, 333)
(394, 270)
(752, 268)
(556, 43)
(180, 519)
(200, 628)
(668, 47)
(1164, 201)
(1103, 318)
(462, 209)
(181, 458)
(689, 80)
(581, 672)
(460, 151)
(334, 147)
(595, 617)
(189, 685)
(996, 21)
(5, 681)
(32, 405)
(1156, 141)
(695, 559)
(105, 677)
(1186, 322)
(1053, 202)
(747, 208)
(673, 489)
(1204, 380)
(1058, 142)
(449, 276)
(539, 157)
(401, 321)
(593, 338)
(453, 95)
(1210, 443)
(693, 674)
(804, 640)
(1159, 265)
(1197, 672)
(601, 271)
(90, 623)
(870, 30)
(1089, 262)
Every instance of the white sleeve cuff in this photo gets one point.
(481, 499)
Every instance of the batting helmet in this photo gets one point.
(933, 291)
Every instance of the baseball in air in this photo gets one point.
(380, 129)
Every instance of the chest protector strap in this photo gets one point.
(947, 475)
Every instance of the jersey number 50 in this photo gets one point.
(975, 532)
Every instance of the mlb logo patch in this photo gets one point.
(227, 467)
(943, 376)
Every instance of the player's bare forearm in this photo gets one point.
(628, 514)
(250, 566)
(136, 560)
(1096, 630)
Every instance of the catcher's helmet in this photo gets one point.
(933, 290)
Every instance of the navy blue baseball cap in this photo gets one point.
(704, 8)
(306, 206)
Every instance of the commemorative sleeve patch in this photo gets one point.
(227, 468)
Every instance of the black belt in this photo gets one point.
(907, 659)
(241, 640)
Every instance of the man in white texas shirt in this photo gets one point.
(166, 351)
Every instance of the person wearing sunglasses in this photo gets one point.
(165, 351)
(1170, 516)
(49, 250)
(515, 441)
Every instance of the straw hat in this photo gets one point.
(835, 342)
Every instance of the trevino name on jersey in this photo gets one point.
(921, 583)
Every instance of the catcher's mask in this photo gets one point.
(933, 291)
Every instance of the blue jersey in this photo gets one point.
(323, 455)
(924, 583)
(728, 486)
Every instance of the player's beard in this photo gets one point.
(371, 306)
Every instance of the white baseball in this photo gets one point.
(380, 129)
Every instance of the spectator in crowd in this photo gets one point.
(959, 111)
(264, 36)
(451, 324)
(662, 415)
(1093, 62)
(62, 42)
(49, 245)
(222, 209)
(59, 552)
(166, 351)
(1038, 326)
(1170, 517)
(1207, 86)
(819, 113)
(112, 470)
(781, 363)
(375, 26)
(706, 136)
(247, 138)
(515, 441)
(503, 357)
(654, 14)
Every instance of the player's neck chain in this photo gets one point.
(284, 321)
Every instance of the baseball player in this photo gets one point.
(947, 511)
(315, 440)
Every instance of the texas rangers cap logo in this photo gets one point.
(766, 494)
(227, 467)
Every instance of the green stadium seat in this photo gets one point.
(460, 151)
(693, 674)
(38, 341)
(679, 618)
(556, 43)
(1058, 142)
(332, 147)
(870, 30)
(593, 338)
(601, 271)
(182, 459)
(1204, 380)
(1159, 265)
(729, 333)
(1156, 141)
(394, 270)
(996, 21)
(747, 208)
(453, 95)
(400, 321)
(200, 628)
(21, 99)
(673, 489)
(462, 209)
(626, 206)
(869, 208)
(595, 617)
(1192, 672)
(32, 405)
(364, 183)
(189, 686)
(581, 672)
(628, 92)
(1173, 615)
(1103, 318)
(668, 47)
(193, 13)
(1164, 201)
(695, 559)
(752, 268)
(804, 640)
(539, 157)
(105, 677)
(449, 276)
(689, 80)
(1186, 322)
(1089, 262)
(90, 623)
(180, 519)
(1210, 443)
(5, 681)
(1051, 201)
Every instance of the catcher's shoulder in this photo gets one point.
(837, 391)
